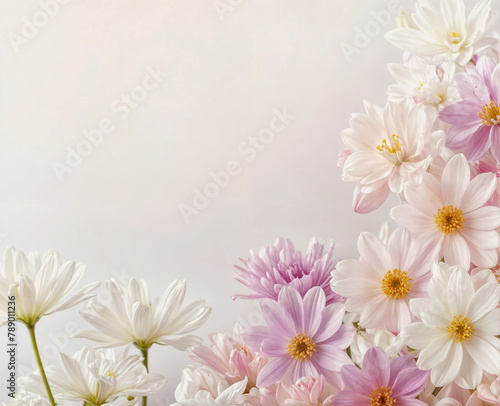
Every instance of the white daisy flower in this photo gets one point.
(425, 83)
(97, 377)
(132, 317)
(40, 287)
(447, 36)
(459, 323)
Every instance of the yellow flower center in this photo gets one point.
(490, 114)
(460, 329)
(301, 347)
(496, 272)
(455, 37)
(449, 219)
(396, 284)
(110, 374)
(391, 148)
(382, 397)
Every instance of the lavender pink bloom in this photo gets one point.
(303, 337)
(381, 382)
(475, 120)
(279, 265)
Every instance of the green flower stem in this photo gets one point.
(31, 329)
(144, 352)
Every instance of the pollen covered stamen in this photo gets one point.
(460, 329)
(301, 347)
(392, 148)
(382, 396)
(110, 374)
(456, 38)
(490, 114)
(396, 284)
(449, 219)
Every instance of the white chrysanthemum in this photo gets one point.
(205, 387)
(132, 317)
(40, 287)
(427, 84)
(390, 148)
(447, 36)
(459, 323)
(97, 377)
(24, 398)
(364, 340)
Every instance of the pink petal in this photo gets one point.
(478, 144)
(367, 202)
(354, 378)
(484, 218)
(314, 302)
(331, 319)
(273, 347)
(410, 382)
(411, 218)
(255, 335)
(330, 358)
(373, 251)
(273, 371)
(485, 239)
(456, 251)
(376, 366)
(348, 398)
(479, 191)
(455, 179)
(291, 301)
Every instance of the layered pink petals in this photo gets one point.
(308, 319)
(400, 380)
(388, 149)
(475, 119)
(361, 280)
(473, 236)
(279, 265)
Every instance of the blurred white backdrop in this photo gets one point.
(217, 72)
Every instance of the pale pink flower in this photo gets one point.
(450, 213)
(306, 391)
(390, 148)
(382, 282)
(231, 357)
(489, 389)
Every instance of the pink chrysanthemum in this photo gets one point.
(306, 391)
(282, 265)
(303, 337)
(476, 119)
(452, 214)
(230, 357)
(381, 382)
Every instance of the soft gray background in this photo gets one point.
(118, 210)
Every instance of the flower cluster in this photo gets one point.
(415, 319)
(94, 376)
